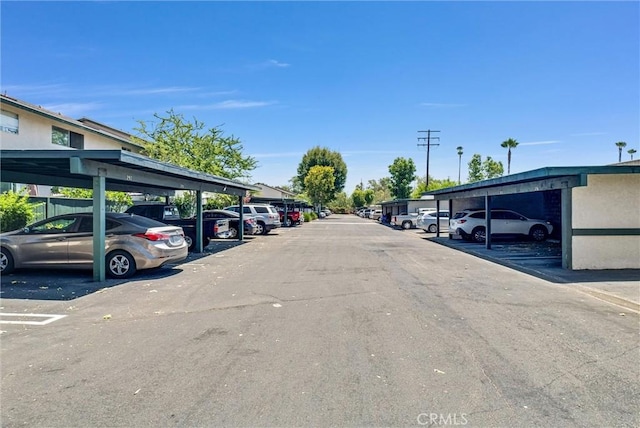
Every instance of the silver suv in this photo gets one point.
(267, 217)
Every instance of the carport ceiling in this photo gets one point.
(123, 171)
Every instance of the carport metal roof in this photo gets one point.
(537, 180)
(123, 171)
(104, 170)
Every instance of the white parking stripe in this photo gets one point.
(48, 319)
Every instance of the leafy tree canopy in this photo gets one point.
(183, 143)
(434, 184)
(479, 170)
(403, 173)
(322, 156)
(380, 190)
(320, 184)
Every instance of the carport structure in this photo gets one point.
(118, 170)
(594, 209)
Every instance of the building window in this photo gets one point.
(9, 122)
(60, 136)
(67, 138)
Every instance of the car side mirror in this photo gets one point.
(26, 230)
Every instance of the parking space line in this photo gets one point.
(48, 318)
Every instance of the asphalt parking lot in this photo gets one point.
(544, 260)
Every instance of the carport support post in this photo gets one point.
(487, 205)
(99, 204)
(437, 218)
(566, 226)
(241, 218)
(199, 222)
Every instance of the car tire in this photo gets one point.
(260, 228)
(6, 262)
(406, 225)
(191, 241)
(538, 233)
(479, 234)
(288, 222)
(120, 264)
(233, 232)
(432, 228)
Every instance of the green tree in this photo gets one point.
(479, 170)
(186, 144)
(116, 201)
(475, 169)
(403, 173)
(15, 211)
(621, 145)
(381, 190)
(357, 198)
(320, 184)
(492, 169)
(509, 144)
(341, 203)
(370, 196)
(434, 184)
(322, 156)
(631, 152)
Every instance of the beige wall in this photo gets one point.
(34, 133)
(607, 202)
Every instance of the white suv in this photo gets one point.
(471, 225)
(267, 216)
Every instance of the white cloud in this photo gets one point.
(72, 109)
(275, 63)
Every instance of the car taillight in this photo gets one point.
(462, 221)
(153, 236)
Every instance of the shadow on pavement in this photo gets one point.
(63, 285)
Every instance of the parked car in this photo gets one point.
(132, 243)
(250, 223)
(266, 216)
(169, 214)
(427, 221)
(471, 225)
(375, 214)
(405, 221)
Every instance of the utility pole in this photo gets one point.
(428, 144)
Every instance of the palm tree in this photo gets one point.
(459, 149)
(621, 145)
(509, 144)
(631, 152)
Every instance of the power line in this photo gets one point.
(428, 144)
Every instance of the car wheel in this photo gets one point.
(120, 264)
(479, 234)
(191, 241)
(432, 228)
(538, 233)
(260, 228)
(233, 233)
(406, 225)
(288, 222)
(6, 262)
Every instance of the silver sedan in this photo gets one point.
(132, 243)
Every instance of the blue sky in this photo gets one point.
(361, 78)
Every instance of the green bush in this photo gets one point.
(186, 204)
(15, 211)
